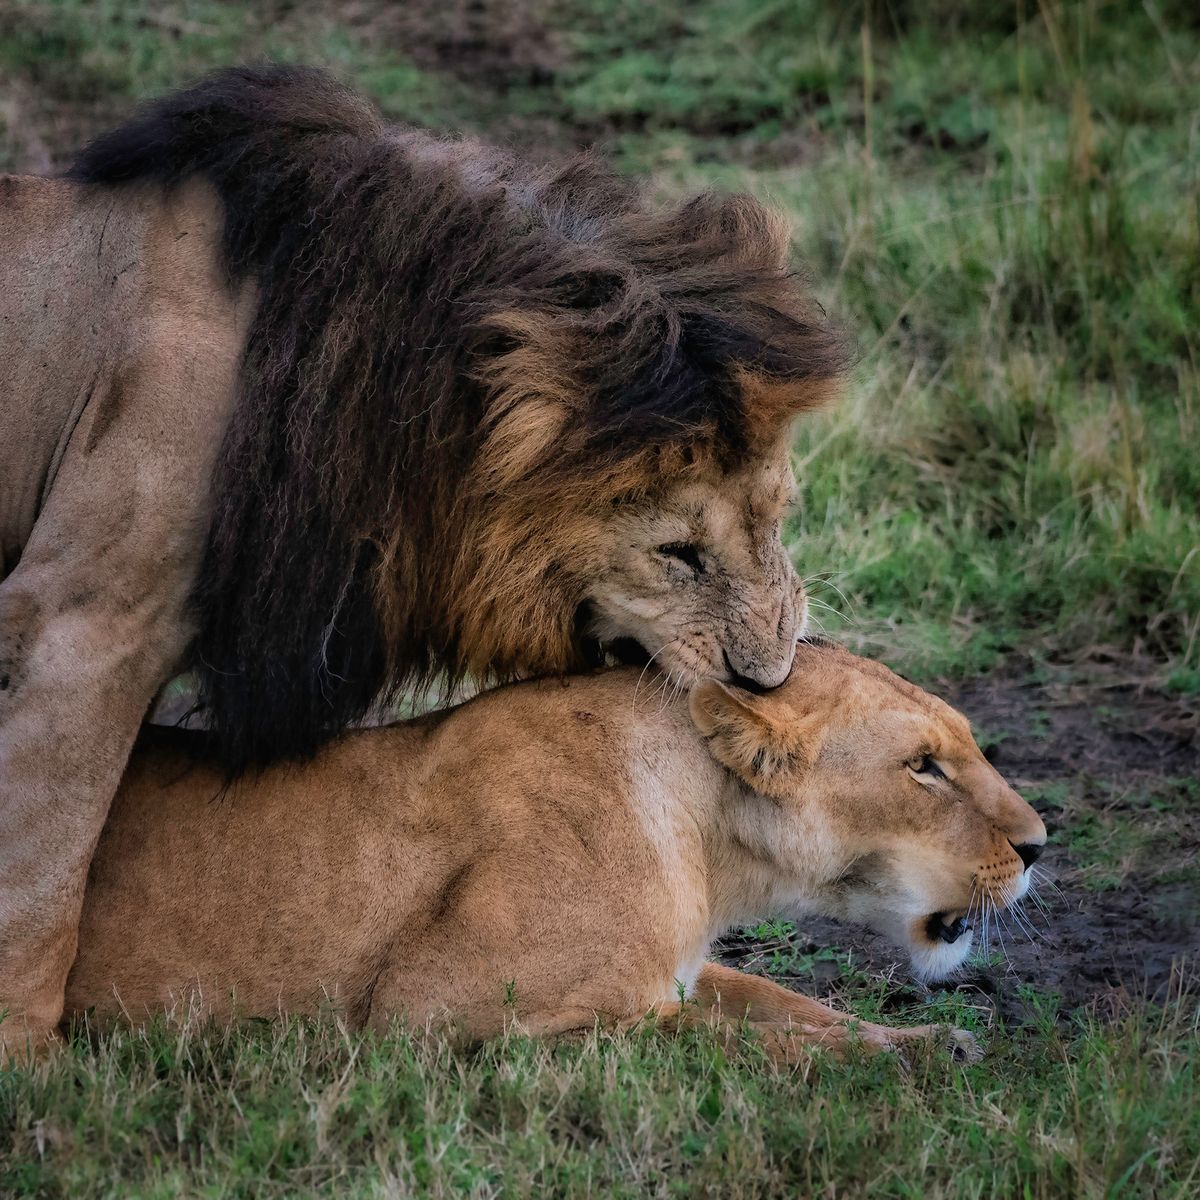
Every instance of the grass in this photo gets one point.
(1142, 828)
(1002, 204)
(300, 1108)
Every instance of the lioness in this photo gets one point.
(324, 409)
(557, 852)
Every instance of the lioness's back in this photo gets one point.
(191, 878)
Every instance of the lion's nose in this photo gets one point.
(1030, 852)
(743, 681)
(756, 676)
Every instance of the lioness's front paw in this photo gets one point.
(962, 1046)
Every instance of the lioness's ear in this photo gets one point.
(757, 737)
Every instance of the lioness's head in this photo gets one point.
(866, 798)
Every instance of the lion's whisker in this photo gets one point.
(821, 604)
(649, 663)
(812, 616)
(664, 693)
(829, 584)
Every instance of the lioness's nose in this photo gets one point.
(1030, 852)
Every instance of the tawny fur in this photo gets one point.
(551, 853)
(119, 338)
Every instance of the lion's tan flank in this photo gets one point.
(554, 853)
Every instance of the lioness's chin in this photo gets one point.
(938, 947)
(932, 963)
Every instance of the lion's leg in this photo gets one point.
(736, 996)
(78, 677)
(92, 619)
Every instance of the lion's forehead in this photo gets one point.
(745, 505)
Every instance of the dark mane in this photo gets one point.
(421, 303)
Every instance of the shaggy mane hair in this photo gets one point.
(452, 352)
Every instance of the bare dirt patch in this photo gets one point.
(1114, 767)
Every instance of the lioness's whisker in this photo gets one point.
(1001, 928)
(1040, 906)
(984, 921)
(1044, 877)
(1022, 922)
(996, 922)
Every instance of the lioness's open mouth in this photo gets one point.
(947, 927)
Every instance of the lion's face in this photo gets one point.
(873, 803)
(700, 579)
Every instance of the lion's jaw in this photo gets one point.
(838, 795)
(701, 581)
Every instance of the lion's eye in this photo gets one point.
(924, 764)
(684, 552)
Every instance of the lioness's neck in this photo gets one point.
(763, 861)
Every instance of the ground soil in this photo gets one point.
(1103, 736)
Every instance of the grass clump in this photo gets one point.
(301, 1108)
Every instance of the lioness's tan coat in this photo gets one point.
(552, 852)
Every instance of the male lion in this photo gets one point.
(326, 410)
(558, 853)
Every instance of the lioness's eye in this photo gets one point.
(685, 553)
(923, 764)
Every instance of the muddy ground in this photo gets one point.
(1114, 768)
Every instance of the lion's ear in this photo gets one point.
(761, 739)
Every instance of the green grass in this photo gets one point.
(298, 1109)
(1011, 226)
(1002, 204)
